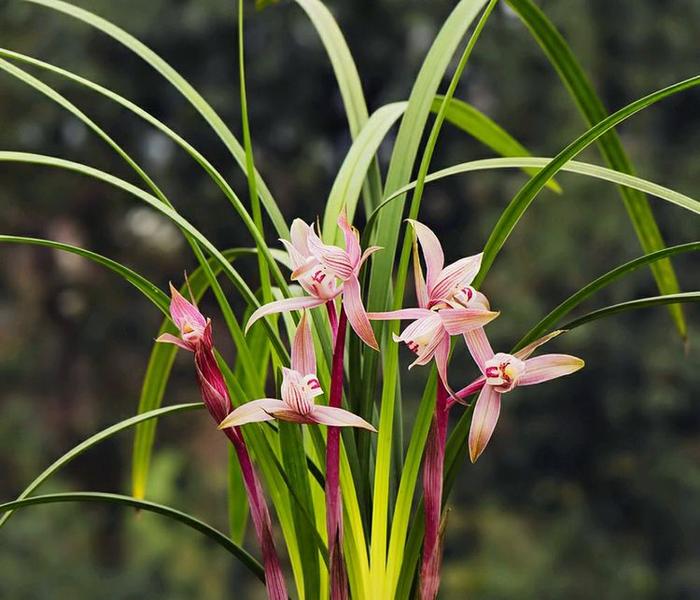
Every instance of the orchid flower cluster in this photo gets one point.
(448, 306)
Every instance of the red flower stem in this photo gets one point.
(260, 515)
(333, 318)
(433, 467)
(334, 514)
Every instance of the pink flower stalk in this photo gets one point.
(502, 373)
(448, 305)
(325, 272)
(299, 388)
(196, 337)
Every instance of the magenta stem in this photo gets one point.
(334, 515)
(333, 318)
(433, 467)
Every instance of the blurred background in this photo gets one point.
(591, 485)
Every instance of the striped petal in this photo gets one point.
(454, 277)
(403, 313)
(184, 313)
(432, 251)
(335, 259)
(472, 388)
(337, 417)
(458, 321)
(169, 338)
(286, 305)
(479, 347)
(253, 412)
(549, 366)
(355, 310)
(530, 348)
(418, 279)
(484, 419)
(303, 354)
(352, 241)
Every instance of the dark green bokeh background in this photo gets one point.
(591, 485)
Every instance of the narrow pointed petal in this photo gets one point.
(472, 388)
(479, 347)
(455, 276)
(303, 354)
(418, 279)
(184, 312)
(168, 338)
(286, 305)
(335, 259)
(458, 321)
(401, 314)
(530, 348)
(255, 411)
(484, 419)
(338, 417)
(357, 316)
(549, 366)
(432, 251)
(352, 242)
(297, 258)
(367, 253)
(299, 234)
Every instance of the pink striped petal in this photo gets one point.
(357, 316)
(549, 366)
(352, 242)
(252, 412)
(432, 250)
(454, 277)
(184, 313)
(337, 417)
(168, 338)
(458, 321)
(303, 354)
(212, 385)
(484, 419)
(335, 259)
(286, 305)
(404, 313)
(472, 388)
(479, 347)
(530, 348)
(418, 279)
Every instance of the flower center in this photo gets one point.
(503, 371)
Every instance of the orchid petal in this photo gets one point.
(457, 321)
(287, 414)
(432, 250)
(355, 310)
(212, 385)
(549, 366)
(484, 419)
(297, 258)
(352, 242)
(457, 275)
(479, 347)
(367, 253)
(252, 412)
(472, 388)
(299, 234)
(184, 312)
(338, 417)
(168, 338)
(335, 259)
(286, 305)
(403, 313)
(418, 279)
(303, 355)
(525, 352)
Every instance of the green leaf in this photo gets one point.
(581, 90)
(96, 439)
(148, 289)
(550, 321)
(214, 534)
(682, 298)
(517, 207)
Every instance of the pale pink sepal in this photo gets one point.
(479, 347)
(255, 411)
(285, 305)
(549, 366)
(338, 417)
(357, 316)
(457, 321)
(432, 251)
(303, 354)
(401, 314)
(168, 338)
(525, 352)
(484, 419)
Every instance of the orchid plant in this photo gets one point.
(332, 516)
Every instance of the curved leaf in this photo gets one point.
(214, 534)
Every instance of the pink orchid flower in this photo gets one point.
(194, 328)
(448, 305)
(325, 272)
(299, 388)
(502, 373)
